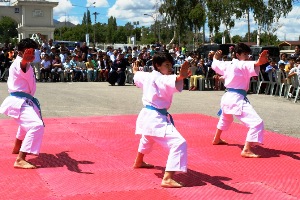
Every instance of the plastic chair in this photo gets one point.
(261, 80)
(293, 86)
(253, 84)
(273, 81)
(281, 82)
(297, 90)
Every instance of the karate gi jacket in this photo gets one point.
(18, 81)
(236, 75)
(158, 90)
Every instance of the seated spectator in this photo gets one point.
(57, 69)
(117, 73)
(289, 66)
(45, 68)
(68, 70)
(91, 68)
(80, 70)
(76, 71)
(101, 68)
(199, 73)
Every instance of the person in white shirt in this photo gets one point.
(36, 64)
(45, 67)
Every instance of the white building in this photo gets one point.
(33, 17)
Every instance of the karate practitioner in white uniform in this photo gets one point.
(22, 106)
(237, 74)
(153, 122)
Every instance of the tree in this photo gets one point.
(237, 39)
(8, 29)
(89, 21)
(177, 14)
(84, 19)
(111, 29)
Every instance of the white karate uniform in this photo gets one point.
(237, 75)
(22, 109)
(154, 127)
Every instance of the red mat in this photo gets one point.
(92, 157)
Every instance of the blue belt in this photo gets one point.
(239, 91)
(162, 111)
(28, 96)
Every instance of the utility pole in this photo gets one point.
(95, 14)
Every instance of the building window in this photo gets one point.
(37, 13)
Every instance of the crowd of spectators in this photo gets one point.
(60, 64)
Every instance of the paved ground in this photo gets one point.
(97, 99)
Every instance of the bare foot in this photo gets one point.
(22, 164)
(142, 165)
(170, 183)
(249, 154)
(219, 142)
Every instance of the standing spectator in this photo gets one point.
(283, 59)
(271, 68)
(297, 52)
(36, 64)
(84, 49)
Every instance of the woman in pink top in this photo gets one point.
(153, 123)
(22, 106)
(237, 74)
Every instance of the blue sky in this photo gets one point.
(133, 10)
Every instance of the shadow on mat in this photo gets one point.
(270, 153)
(193, 178)
(45, 160)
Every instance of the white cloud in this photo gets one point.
(290, 29)
(97, 3)
(133, 10)
(64, 7)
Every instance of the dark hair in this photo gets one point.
(292, 58)
(272, 60)
(241, 48)
(283, 54)
(161, 57)
(27, 43)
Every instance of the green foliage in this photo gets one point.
(8, 29)
(182, 19)
(237, 39)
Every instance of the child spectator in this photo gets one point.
(68, 69)
(271, 69)
(237, 74)
(153, 123)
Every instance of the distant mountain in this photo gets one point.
(59, 24)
